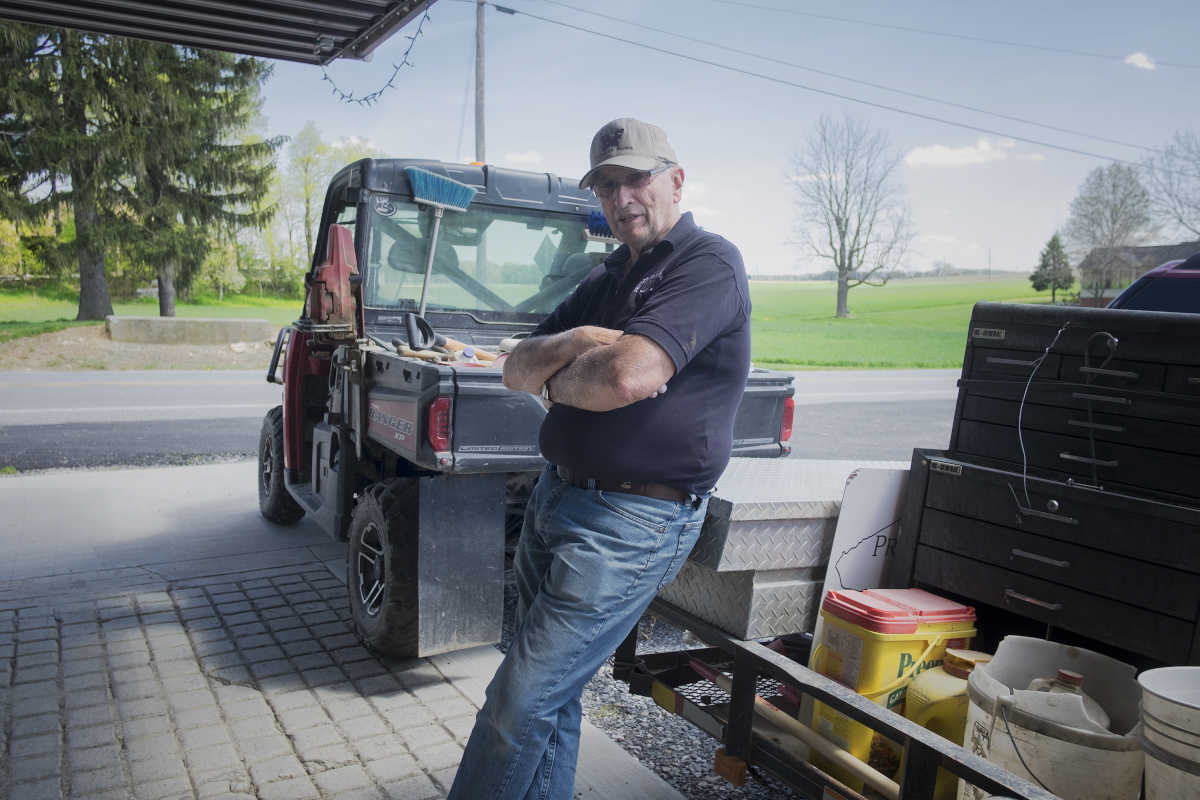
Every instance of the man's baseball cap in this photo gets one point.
(628, 142)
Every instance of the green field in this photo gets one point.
(909, 323)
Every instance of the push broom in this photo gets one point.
(439, 193)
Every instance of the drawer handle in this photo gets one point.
(1110, 373)
(1096, 426)
(1099, 462)
(1054, 562)
(1101, 398)
(1194, 380)
(1033, 512)
(1011, 362)
(1033, 601)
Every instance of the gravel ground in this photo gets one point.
(677, 751)
(89, 347)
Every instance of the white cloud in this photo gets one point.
(1032, 157)
(355, 143)
(527, 158)
(1140, 60)
(938, 238)
(940, 155)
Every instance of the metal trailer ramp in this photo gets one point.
(775, 674)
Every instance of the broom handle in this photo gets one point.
(871, 776)
(433, 238)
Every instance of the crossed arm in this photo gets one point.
(589, 367)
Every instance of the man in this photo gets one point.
(642, 369)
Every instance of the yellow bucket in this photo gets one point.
(875, 642)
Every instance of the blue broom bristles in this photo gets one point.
(598, 228)
(437, 190)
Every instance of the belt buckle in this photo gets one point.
(625, 485)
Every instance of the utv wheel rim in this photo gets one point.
(372, 572)
(268, 466)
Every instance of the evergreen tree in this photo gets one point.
(61, 146)
(188, 172)
(1053, 270)
(137, 139)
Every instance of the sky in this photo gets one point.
(977, 197)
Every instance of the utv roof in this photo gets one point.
(495, 185)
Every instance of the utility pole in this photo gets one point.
(480, 152)
(989, 272)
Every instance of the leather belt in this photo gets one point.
(659, 491)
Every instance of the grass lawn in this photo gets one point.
(27, 307)
(910, 323)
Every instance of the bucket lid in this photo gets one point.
(895, 610)
(959, 663)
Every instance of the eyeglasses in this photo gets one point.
(606, 188)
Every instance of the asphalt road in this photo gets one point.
(100, 419)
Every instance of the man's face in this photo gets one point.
(640, 211)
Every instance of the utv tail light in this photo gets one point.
(789, 411)
(439, 424)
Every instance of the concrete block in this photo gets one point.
(342, 779)
(187, 330)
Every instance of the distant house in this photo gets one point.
(1127, 263)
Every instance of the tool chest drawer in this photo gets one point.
(1093, 461)
(1100, 423)
(1160, 533)
(1150, 406)
(1149, 586)
(1159, 636)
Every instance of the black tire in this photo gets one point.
(273, 499)
(381, 568)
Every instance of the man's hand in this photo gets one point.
(589, 336)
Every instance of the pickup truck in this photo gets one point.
(422, 463)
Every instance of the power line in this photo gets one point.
(828, 74)
(828, 93)
(948, 35)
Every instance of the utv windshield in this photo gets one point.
(493, 262)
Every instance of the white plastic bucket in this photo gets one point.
(1171, 732)
(1016, 728)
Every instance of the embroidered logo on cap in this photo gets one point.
(611, 140)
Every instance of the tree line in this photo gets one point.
(127, 162)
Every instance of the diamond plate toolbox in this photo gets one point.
(773, 514)
(749, 604)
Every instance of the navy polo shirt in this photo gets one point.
(688, 294)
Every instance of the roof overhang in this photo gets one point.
(307, 31)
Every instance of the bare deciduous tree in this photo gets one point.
(850, 203)
(1174, 177)
(1111, 211)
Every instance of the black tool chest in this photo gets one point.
(1095, 527)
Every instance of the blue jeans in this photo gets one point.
(588, 564)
